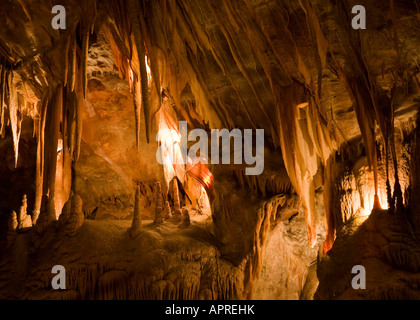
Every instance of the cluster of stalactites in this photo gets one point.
(53, 85)
(171, 34)
(174, 39)
(131, 43)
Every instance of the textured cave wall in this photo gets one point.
(383, 242)
(110, 166)
(288, 264)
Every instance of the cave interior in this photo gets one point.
(113, 161)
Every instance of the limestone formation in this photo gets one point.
(168, 211)
(159, 207)
(177, 204)
(44, 218)
(136, 225)
(73, 216)
(25, 220)
(65, 215)
(185, 219)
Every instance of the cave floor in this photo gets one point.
(168, 261)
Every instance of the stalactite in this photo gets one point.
(328, 195)
(40, 157)
(54, 114)
(364, 111)
(236, 54)
(137, 108)
(134, 10)
(69, 133)
(296, 142)
(152, 55)
(73, 62)
(2, 104)
(66, 60)
(84, 59)
(79, 105)
(89, 12)
(14, 113)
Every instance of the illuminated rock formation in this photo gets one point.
(136, 225)
(185, 219)
(177, 205)
(168, 211)
(73, 216)
(159, 207)
(25, 220)
(44, 220)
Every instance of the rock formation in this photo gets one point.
(25, 220)
(65, 215)
(72, 217)
(44, 219)
(159, 207)
(136, 225)
(177, 205)
(185, 218)
(168, 210)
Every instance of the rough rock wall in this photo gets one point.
(384, 242)
(110, 164)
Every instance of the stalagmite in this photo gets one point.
(65, 215)
(168, 211)
(159, 208)
(136, 226)
(44, 220)
(76, 217)
(185, 218)
(177, 205)
(25, 220)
